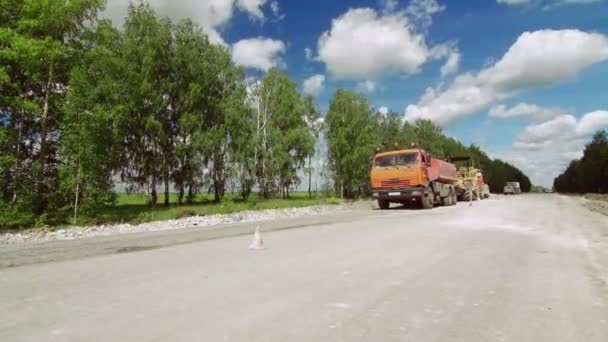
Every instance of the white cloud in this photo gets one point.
(561, 129)
(514, 2)
(276, 10)
(536, 59)
(451, 64)
(548, 4)
(543, 150)
(363, 44)
(253, 7)
(314, 84)
(592, 122)
(538, 135)
(561, 3)
(274, 6)
(258, 53)
(212, 15)
(578, 1)
(543, 165)
(390, 6)
(422, 11)
(383, 110)
(308, 54)
(523, 109)
(367, 86)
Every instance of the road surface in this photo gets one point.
(527, 268)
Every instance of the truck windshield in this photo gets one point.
(397, 160)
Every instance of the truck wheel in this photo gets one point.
(383, 204)
(427, 201)
(445, 201)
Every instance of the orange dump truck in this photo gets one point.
(412, 176)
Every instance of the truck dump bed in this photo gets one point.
(442, 171)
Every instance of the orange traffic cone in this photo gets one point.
(258, 241)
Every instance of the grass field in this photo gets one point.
(132, 208)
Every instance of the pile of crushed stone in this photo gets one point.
(76, 232)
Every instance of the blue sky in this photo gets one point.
(528, 79)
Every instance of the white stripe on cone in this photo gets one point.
(258, 241)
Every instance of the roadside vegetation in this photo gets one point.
(590, 173)
(157, 107)
(133, 209)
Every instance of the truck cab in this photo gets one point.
(409, 176)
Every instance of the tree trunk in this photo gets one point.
(216, 193)
(40, 206)
(217, 198)
(218, 176)
(166, 181)
(190, 197)
(265, 146)
(78, 173)
(180, 195)
(76, 197)
(153, 195)
(309, 177)
(18, 169)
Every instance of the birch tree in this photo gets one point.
(41, 41)
(146, 78)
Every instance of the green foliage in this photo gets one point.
(283, 139)
(183, 213)
(145, 82)
(391, 130)
(41, 41)
(133, 208)
(351, 137)
(429, 136)
(590, 173)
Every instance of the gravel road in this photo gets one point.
(522, 268)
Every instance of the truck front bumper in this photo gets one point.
(403, 194)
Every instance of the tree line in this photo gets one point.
(154, 105)
(354, 129)
(590, 173)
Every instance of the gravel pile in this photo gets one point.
(72, 233)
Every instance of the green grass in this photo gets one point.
(132, 208)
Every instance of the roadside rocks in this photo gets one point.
(73, 233)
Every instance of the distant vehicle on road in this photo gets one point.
(508, 190)
(516, 187)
